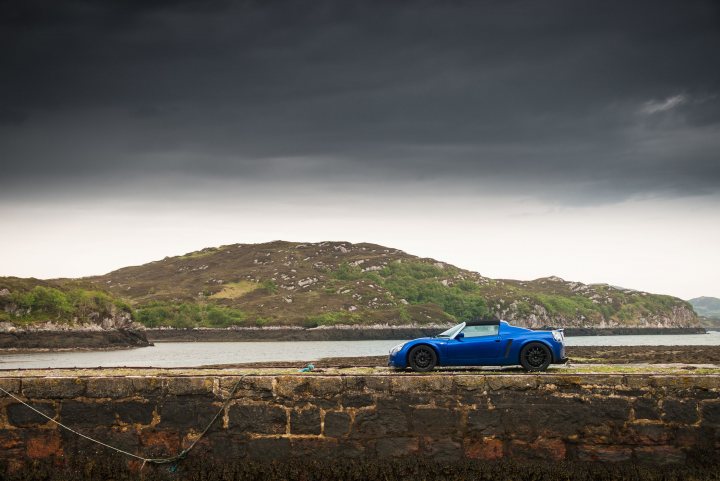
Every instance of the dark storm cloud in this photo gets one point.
(579, 100)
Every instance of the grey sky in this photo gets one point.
(557, 105)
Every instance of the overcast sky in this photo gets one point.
(516, 138)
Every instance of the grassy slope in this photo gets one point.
(284, 283)
(29, 301)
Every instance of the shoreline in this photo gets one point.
(369, 334)
(53, 341)
(18, 342)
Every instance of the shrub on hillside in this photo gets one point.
(189, 315)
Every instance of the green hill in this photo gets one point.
(339, 283)
(708, 308)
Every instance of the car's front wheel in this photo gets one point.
(422, 358)
(535, 357)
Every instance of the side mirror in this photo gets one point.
(459, 336)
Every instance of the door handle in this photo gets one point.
(497, 340)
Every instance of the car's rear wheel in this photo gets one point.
(422, 358)
(535, 357)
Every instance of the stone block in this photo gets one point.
(134, 412)
(394, 447)
(679, 382)
(540, 449)
(691, 436)
(659, 455)
(533, 413)
(185, 386)
(160, 443)
(226, 446)
(708, 383)
(10, 385)
(378, 384)
(435, 422)
(258, 419)
(470, 383)
(484, 420)
(393, 404)
(560, 380)
(326, 386)
(710, 413)
(682, 412)
(443, 450)
(602, 382)
(610, 409)
(378, 424)
(646, 408)
(81, 413)
(291, 386)
(43, 444)
(147, 386)
(264, 449)
(305, 421)
(356, 400)
(250, 387)
(336, 424)
(21, 416)
(694, 393)
(647, 434)
(512, 382)
(10, 440)
(127, 440)
(455, 401)
(485, 448)
(353, 383)
(637, 381)
(422, 398)
(53, 388)
(418, 385)
(602, 453)
(320, 449)
(305, 387)
(110, 387)
(552, 448)
(187, 412)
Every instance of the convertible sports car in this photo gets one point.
(482, 343)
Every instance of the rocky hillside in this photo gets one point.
(332, 283)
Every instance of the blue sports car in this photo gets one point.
(482, 343)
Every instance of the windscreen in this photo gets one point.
(452, 331)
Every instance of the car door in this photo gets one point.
(479, 345)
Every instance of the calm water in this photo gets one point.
(191, 354)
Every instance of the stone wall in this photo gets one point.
(72, 339)
(382, 424)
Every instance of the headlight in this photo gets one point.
(558, 336)
(397, 348)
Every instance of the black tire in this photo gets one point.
(535, 356)
(422, 358)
